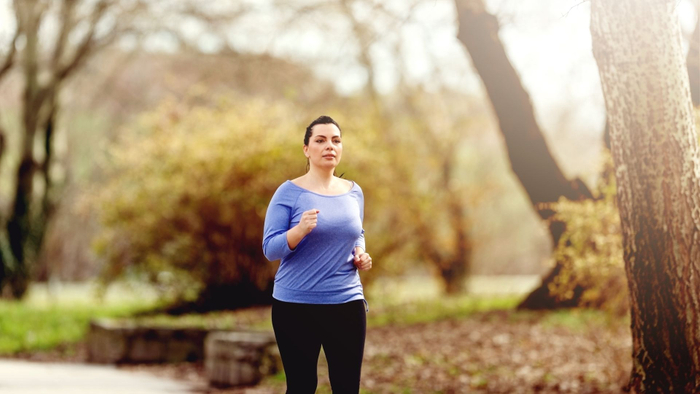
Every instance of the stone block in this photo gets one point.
(110, 343)
(240, 358)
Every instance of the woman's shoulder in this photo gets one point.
(347, 184)
(287, 190)
(353, 186)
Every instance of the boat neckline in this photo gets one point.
(324, 195)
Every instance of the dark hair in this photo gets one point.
(320, 120)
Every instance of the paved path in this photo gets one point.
(62, 378)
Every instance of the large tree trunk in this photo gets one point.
(529, 155)
(637, 45)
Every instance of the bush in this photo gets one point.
(186, 193)
(591, 250)
(188, 186)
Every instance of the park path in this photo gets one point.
(28, 377)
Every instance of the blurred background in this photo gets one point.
(141, 142)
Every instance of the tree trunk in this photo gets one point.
(455, 268)
(47, 206)
(19, 223)
(637, 45)
(529, 155)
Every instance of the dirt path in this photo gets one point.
(26, 377)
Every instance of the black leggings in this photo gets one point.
(301, 330)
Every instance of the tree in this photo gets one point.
(46, 62)
(637, 46)
(408, 117)
(32, 208)
(530, 158)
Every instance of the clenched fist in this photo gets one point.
(363, 261)
(308, 221)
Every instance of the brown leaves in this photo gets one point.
(497, 354)
(492, 352)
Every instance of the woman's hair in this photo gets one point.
(320, 120)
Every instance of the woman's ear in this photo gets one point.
(306, 151)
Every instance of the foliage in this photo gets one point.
(439, 127)
(414, 160)
(369, 159)
(187, 188)
(184, 202)
(591, 249)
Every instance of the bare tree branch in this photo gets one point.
(67, 18)
(10, 57)
(61, 72)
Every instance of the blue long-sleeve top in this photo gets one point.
(320, 270)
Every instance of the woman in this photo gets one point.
(314, 225)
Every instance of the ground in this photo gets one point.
(490, 352)
(422, 342)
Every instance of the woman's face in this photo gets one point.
(325, 146)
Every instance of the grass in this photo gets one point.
(59, 316)
(253, 318)
(34, 326)
(429, 310)
(49, 319)
(26, 327)
(575, 320)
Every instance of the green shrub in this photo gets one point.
(185, 197)
(591, 249)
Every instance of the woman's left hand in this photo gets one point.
(363, 261)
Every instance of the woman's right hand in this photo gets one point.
(308, 221)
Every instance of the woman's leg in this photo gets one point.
(345, 327)
(299, 343)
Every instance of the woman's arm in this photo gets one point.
(277, 219)
(362, 261)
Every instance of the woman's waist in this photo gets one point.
(336, 295)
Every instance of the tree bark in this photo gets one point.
(637, 45)
(693, 61)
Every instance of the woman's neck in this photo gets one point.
(320, 178)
